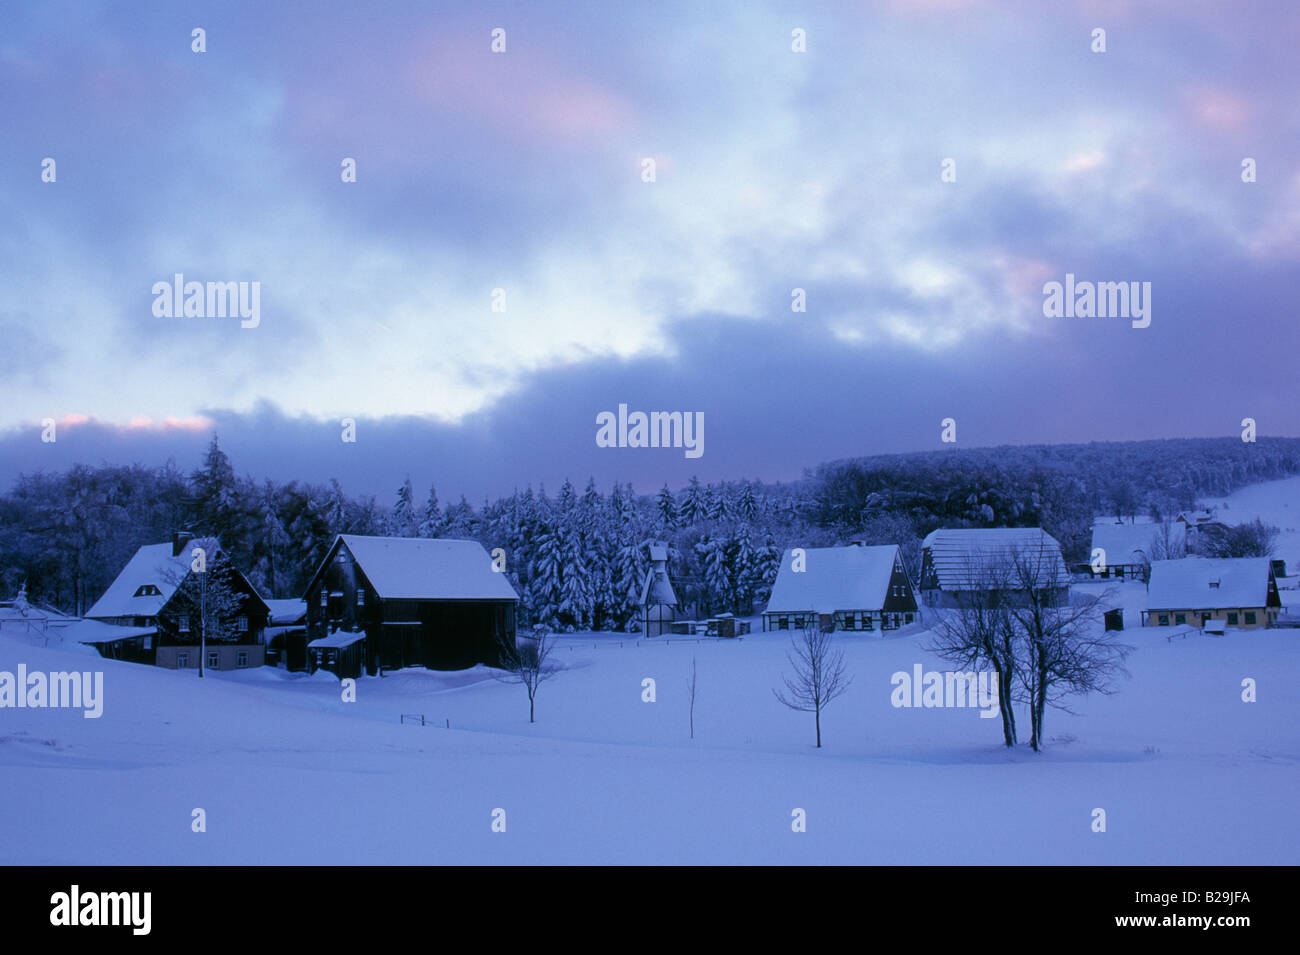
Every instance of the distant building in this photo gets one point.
(396, 602)
(958, 562)
(1239, 592)
(286, 633)
(20, 616)
(843, 588)
(1200, 524)
(1127, 550)
(658, 601)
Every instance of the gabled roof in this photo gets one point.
(834, 578)
(291, 610)
(152, 564)
(418, 568)
(959, 555)
(1185, 584)
(1133, 543)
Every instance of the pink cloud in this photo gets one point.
(193, 423)
(516, 91)
(1219, 109)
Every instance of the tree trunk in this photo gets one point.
(819, 727)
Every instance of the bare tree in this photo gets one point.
(527, 663)
(1063, 648)
(978, 633)
(819, 675)
(1167, 543)
(690, 689)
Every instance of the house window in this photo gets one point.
(182, 660)
(783, 623)
(148, 590)
(241, 658)
(1164, 620)
(1232, 617)
(1250, 616)
(148, 643)
(361, 597)
(907, 618)
(241, 624)
(324, 597)
(866, 622)
(798, 621)
(212, 660)
(183, 625)
(1180, 618)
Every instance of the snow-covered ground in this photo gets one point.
(1273, 502)
(288, 773)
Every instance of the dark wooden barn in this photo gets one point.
(434, 603)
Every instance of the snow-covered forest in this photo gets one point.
(575, 554)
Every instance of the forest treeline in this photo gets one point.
(577, 557)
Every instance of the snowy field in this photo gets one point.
(1273, 502)
(288, 773)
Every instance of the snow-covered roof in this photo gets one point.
(834, 578)
(12, 610)
(337, 641)
(287, 611)
(1187, 584)
(960, 556)
(152, 564)
(96, 631)
(417, 568)
(1133, 543)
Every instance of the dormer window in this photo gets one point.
(1214, 585)
(147, 590)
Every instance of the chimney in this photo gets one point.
(179, 540)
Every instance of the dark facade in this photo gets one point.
(179, 640)
(439, 633)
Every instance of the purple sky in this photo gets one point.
(522, 171)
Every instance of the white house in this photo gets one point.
(1239, 591)
(964, 560)
(857, 587)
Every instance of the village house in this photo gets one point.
(956, 563)
(1241, 592)
(858, 587)
(396, 602)
(147, 615)
(1127, 550)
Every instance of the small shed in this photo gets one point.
(340, 653)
